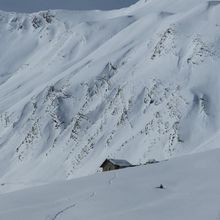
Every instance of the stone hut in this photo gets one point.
(114, 164)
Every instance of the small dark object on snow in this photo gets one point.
(151, 161)
(151, 101)
(160, 187)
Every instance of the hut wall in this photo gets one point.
(109, 166)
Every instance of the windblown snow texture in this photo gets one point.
(139, 83)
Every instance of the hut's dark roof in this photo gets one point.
(117, 162)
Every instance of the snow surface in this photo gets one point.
(77, 87)
(191, 192)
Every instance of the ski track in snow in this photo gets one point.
(64, 210)
(59, 214)
(112, 179)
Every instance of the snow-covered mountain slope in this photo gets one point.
(191, 192)
(78, 87)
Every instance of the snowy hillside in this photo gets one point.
(191, 192)
(77, 87)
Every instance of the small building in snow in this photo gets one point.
(114, 164)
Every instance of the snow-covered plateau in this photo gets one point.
(191, 191)
(137, 83)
